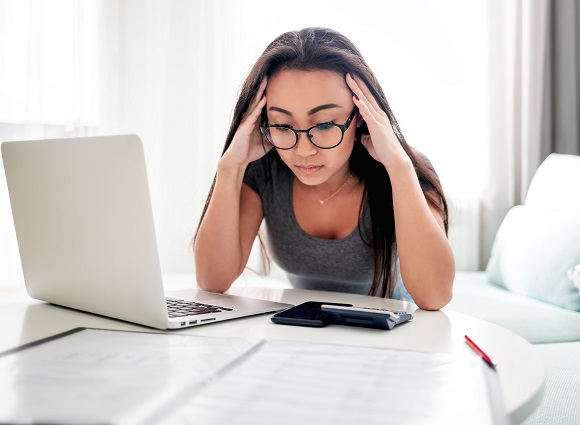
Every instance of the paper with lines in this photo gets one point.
(293, 383)
(98, 376)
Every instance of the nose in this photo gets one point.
(304, 148)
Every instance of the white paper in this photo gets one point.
(96, 376)
(300, 383)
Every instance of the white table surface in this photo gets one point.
(519, 364)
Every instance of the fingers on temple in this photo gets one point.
(367, 112)
(361, 101)
(259, 95)
(257, 110)
(362, 91)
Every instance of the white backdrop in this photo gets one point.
(170, 72)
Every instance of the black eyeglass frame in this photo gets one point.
(343, 128)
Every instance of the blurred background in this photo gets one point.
(485, 88)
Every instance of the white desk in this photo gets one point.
(520, 366)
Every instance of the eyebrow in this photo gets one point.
(311, 112)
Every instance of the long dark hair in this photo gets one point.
(317, 48)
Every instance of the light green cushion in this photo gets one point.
(532, 252)
(555, 183)
(536, 321)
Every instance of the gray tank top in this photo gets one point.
(342, 265)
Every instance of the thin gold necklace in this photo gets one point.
(323, 201)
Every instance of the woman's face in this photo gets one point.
(302, 99)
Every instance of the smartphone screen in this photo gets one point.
(306, 314)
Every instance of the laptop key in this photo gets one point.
(181, 308)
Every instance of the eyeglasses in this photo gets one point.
(324, 136)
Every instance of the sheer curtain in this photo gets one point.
(48, 86)
(534, 98)
(170, 72)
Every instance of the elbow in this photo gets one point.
(440, 290)
(211, 275)
(438, 296)
(211, 284)
(434, 302)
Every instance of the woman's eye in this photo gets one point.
(281, 127)
(325, 126)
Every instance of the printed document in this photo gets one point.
(89, 376)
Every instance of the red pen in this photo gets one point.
(479, 351)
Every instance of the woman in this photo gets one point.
(315, 150)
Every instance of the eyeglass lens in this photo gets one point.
(324, 136)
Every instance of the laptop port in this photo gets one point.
(193, 322)
(207, 320)
(182, 323)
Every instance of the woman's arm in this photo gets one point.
(227, 232)
(425, 255)
(426, 259)
(234, 214)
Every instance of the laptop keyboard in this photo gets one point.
(181, 308)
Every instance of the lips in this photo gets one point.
(309, 169)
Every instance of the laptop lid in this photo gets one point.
(85, 230)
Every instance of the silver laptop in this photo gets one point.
(85, 232)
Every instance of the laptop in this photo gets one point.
(84, 225)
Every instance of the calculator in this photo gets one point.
(366, 317)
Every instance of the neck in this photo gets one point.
(335, 191)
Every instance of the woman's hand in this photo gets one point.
(248, 145)
(381, 142)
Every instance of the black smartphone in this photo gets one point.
(308, 313)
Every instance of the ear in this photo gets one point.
(359, 119)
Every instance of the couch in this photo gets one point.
(531, 283)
